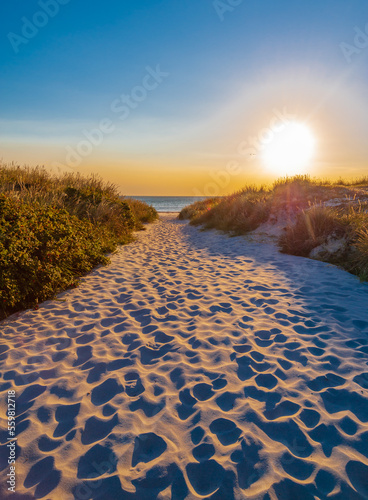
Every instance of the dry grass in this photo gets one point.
(319, 225)
(311, 229)
(304, 202)
(198, 208)
(238, 213)
(361, 259)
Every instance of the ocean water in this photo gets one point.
(169, 203)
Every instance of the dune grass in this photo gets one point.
(246, 209)
(320, 225)
(303, 203)
(238, 213)
(197, 208)
(55, 229)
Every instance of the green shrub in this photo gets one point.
(55, 229)
(142, 212)
(43, 250)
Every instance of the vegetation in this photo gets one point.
(238, 213)
(142, 212)
(55, 229)
(304, 206)
(320, 226)
(199, 207)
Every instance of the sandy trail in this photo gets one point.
(194, 366)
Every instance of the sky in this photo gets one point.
(173, 97)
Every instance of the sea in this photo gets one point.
(169, 203)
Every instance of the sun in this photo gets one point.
(289, 150)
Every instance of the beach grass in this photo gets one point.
(316, 214)
(197, 208)
(54, 229)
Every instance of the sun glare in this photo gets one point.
(289, 150)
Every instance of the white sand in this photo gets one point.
(194, 366)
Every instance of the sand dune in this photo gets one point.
(194, 366)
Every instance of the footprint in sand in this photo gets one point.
(205, 477)
(203, 452)
(227, 400)
(270, 398)
(284, 409)
(242, 348)
(149, 408)
(286, 432)
(83, 355)
(44, 475)
(177, 377)
(98, 460)
(61, 392)
(324, 381)
(197, 434)
(328, 436)
(96, 429)
(147, 447)
(362, 380)
(310, 418)
(151, 355)
(104, 392)
(203, 391)
(336, 400)
(65, 415)
(245, 371)
(358, 476)
(30, 393)
(186, 408)
(266, 380)
(348, 426)
(47, 445)
(133, 384)
(85, 338)
(226, 431)
(108, 410)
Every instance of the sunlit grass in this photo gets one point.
(304, 204)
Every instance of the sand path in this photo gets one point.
(194, 366)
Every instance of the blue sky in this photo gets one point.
(227, 72)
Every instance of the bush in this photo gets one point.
(320, 224)
(143, 213)
(55, 229)
(43, 250)
(311, 229)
